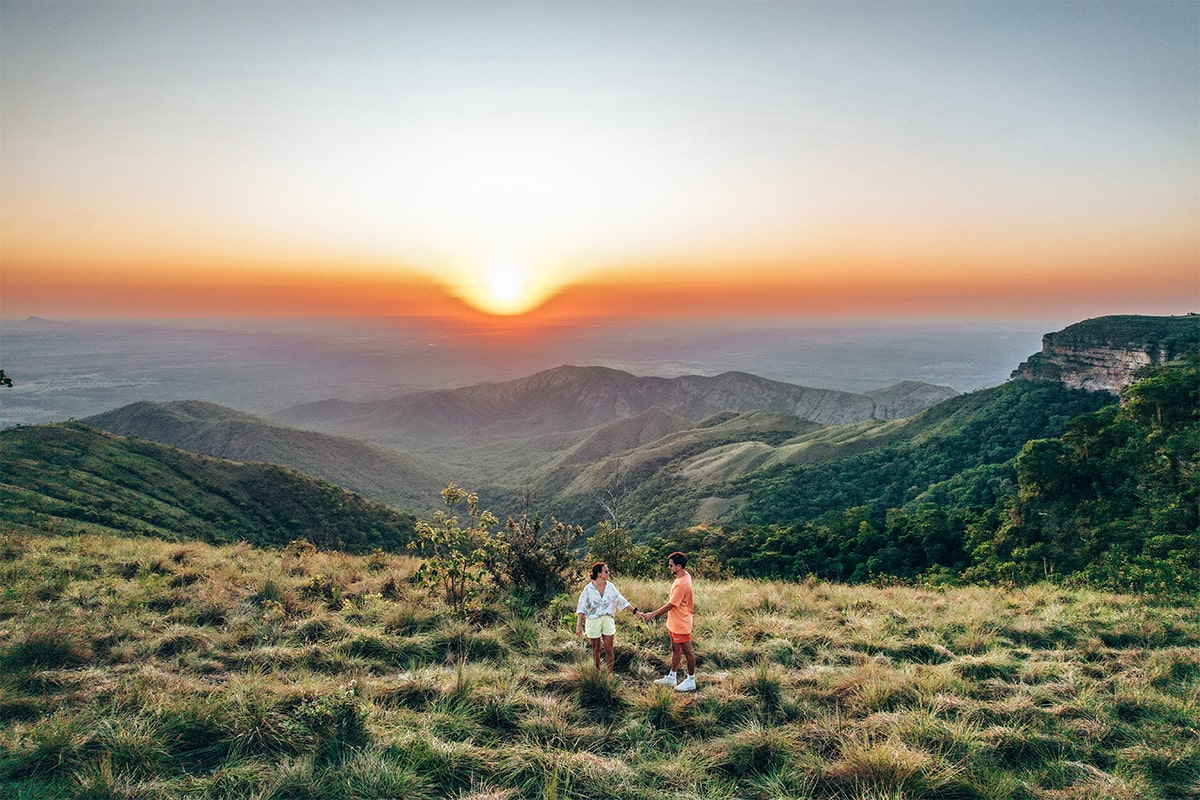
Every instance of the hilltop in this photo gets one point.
(178, 625)
(134, 667)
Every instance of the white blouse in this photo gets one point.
(592, 604)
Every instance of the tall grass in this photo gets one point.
(142, 668)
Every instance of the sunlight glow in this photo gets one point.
(504, 287)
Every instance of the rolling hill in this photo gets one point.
(69, 476)
(563, 432)
(518, 434)
(376, 472)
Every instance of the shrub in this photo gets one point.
(336, 719)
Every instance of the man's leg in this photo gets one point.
(690, 655)
(688, 684)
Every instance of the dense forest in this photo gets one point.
(1111, 502)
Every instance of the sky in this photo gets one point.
(600, 160)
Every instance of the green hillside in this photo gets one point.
(878, 465)
(985, 427)
(67, 476)
(1109, 498)
(387, 476)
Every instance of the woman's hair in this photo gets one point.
(599, 565)
(679, 558)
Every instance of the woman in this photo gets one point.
(598, 605)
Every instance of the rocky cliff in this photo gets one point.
(1101, 354)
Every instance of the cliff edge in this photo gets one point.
(1101, 354)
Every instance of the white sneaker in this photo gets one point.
(688, 685)
(666, 680)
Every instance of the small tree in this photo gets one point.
(614, 546)
(456, 558)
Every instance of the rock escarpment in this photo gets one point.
(1101, 354)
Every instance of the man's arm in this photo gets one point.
(659, 611)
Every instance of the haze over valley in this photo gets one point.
(64, 369)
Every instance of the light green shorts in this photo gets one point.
(595, 627)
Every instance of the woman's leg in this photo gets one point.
(596, 652)
(609, 656)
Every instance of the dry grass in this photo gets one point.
(140, 668)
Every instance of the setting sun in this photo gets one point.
(505, 289)
(504, 286)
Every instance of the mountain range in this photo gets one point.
(581, 442)
(552, 432)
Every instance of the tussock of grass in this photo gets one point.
(600, 689)
(141, 668)
(755, 749)
(45, 648)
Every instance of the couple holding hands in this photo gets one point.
(601, 600)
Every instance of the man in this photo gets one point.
(678, 609)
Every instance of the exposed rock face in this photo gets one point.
(1101, 354)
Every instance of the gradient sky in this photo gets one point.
(981, 160)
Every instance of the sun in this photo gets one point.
(505, 287)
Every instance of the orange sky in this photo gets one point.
(1060, 294)
(576, 162)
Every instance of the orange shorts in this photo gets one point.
(680, 638)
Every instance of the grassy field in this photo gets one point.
(138, 668)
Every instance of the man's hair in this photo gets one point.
(679, 558)
(599, 565)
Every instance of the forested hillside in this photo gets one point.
(55, 476)
(986, 427)
(1112, 501)
(809, 472)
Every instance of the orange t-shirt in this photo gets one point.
(679, 617)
